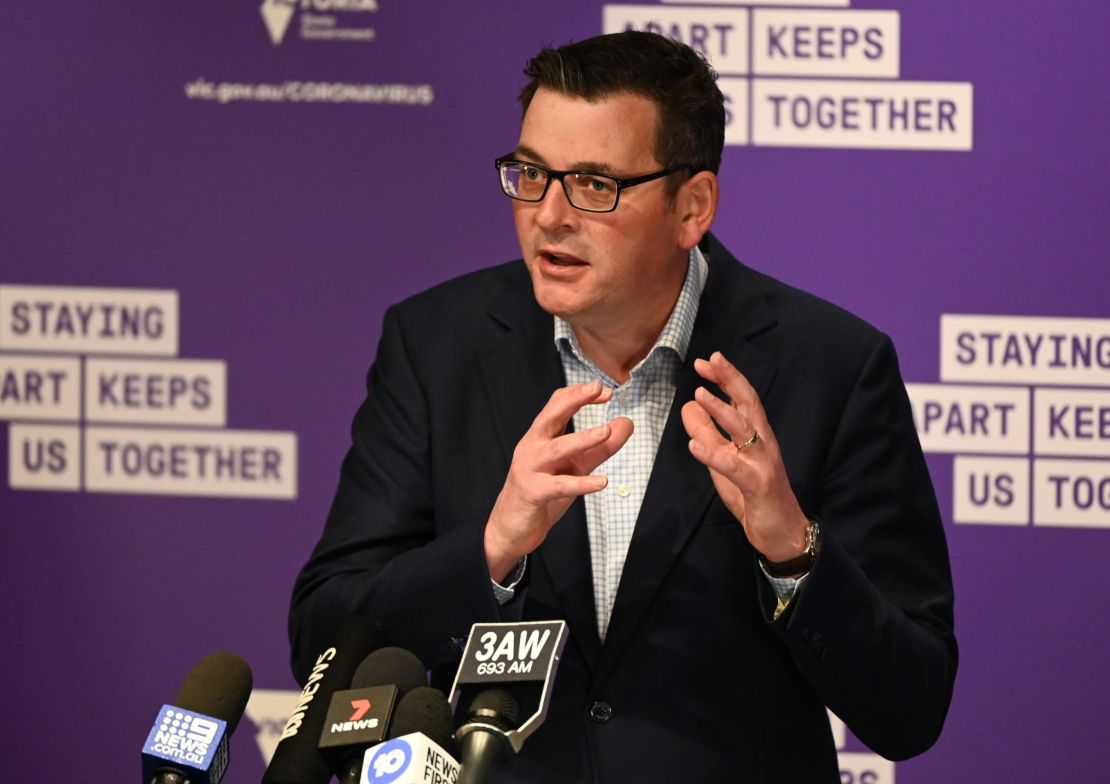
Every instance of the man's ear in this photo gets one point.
(696, 204)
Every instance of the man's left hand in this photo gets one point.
(750, 477)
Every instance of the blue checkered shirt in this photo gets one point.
(646, 399)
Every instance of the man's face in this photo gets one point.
(609, 273)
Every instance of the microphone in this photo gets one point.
(409, 759)
(297, 758)
(420, 749)
(484, 738)
(188, 743)
(359, 717)
(518, 658)
(425, 710)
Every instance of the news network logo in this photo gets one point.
(389, 762)
(185, 737)
(198, 732)
(356, 723)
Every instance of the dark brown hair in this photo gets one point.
(678, 79)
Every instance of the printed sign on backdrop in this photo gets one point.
(811, 77)
(1030, 430)
(85, 418)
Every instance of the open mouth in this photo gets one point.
(562, 260)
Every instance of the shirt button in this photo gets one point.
(623, 398)
(623, 490)
(601, 711)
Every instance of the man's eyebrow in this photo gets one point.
(596, 167)
(526, 152)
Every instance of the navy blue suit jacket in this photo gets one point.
(699, 681)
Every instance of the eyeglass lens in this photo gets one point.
(594, 192)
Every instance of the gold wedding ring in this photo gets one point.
(749, 442)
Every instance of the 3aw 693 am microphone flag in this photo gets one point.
(519, 660)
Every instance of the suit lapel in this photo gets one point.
(520, 372)
(680, 491)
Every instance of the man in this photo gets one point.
(712, 477)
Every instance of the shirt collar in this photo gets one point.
(680, 324)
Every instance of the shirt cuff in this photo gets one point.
(786, 588)
(505, 593)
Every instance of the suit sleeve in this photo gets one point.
(382, 552)
(872, 629)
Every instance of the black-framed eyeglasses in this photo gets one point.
(589, 191)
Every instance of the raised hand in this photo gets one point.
(747, 470)
(550, 469)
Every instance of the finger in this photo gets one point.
(620, 430)
(565, 449)
(564, 403)
(733, 382)
(706, 371)
(710, 448)
(699, 426)
(742, 395)
(732, 421)
(722, 458)
(554, 487)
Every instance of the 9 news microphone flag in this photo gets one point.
(189, 739)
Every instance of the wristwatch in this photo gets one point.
(803, 562)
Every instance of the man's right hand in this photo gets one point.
(550, 469)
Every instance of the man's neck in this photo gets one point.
(617, 353)
(617, 342)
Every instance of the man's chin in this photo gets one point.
(556, 303)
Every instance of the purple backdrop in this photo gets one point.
(286, 220)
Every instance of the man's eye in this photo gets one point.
(597, 184)
(531, 173)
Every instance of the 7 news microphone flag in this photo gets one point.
(360, 716)
(297, 759)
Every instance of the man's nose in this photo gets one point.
(555, 211)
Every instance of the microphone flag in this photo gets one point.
(188, 741)
(409, 759)
(519, 658)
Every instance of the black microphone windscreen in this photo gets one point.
(496, 707)
(391, 666)
(425, 710)
(482, 739)
(297, 757)
(219, 686)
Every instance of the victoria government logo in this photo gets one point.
(823, 75)
(320, 20)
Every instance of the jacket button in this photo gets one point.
(601, 711)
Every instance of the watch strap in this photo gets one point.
(803, 563)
